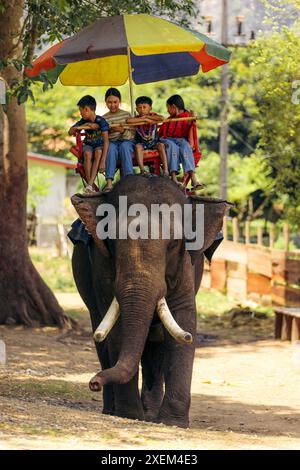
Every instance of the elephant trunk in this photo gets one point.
(137, 307)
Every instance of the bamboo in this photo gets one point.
(225, 233)
(286, 236)
(271, 235)
(125, 125)
(247, 232)
(141, 123)
(259, 236)
(235, 229)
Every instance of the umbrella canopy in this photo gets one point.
(140, 47)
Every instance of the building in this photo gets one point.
(246, 20)
(51, 208)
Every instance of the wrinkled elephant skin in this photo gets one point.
(139, 273)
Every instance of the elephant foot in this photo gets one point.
(150, 417)
(152, 400)
(96, 383)
(174, 412)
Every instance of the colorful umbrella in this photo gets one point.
(140, 47)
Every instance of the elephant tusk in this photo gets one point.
(170, 324)
(108, 321)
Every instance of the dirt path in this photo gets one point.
(245, 395)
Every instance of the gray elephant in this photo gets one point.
(135, 284)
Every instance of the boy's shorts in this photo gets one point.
(148, 145)
(92, 147)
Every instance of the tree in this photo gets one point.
(276, 71)
(24, 297)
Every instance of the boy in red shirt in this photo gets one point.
(176, 138)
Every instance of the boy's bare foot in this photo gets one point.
(175, 180)
(88, 189)
(145, 173)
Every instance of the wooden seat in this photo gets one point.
(287, 323)
(151, 157)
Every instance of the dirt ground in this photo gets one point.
(245, 391)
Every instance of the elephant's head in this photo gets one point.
(147, 269)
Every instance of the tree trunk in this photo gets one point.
(24, 297)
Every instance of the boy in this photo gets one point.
(146, 136)
(95, 142)
(177, 138)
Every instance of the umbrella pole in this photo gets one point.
(130, 81)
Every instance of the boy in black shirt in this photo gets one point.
(96, 139)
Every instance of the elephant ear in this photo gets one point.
(214, 212)
(86, 207)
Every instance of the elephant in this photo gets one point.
(138, 278)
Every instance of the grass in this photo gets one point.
(44, 388)
(55, 271)
(212, 302)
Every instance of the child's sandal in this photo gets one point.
(107, 189)
(197, 186)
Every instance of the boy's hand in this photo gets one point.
(73, 131)
(147, 119)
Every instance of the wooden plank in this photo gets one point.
(237, 288)
(295, 336)
(206, 280)
(218, 274)
(279, 260)
(285, 270)
(236, 270)
(259, 284)
(206, 265)
(259, 260)
(293, 271)
(235, 229)
(247, 232)
(278, 324)
(294, 312)
(285, 295)
(232, 251)
(271, 235)
(225, 234)
(286, 330)
(260, 236)
(292, 298)
(286, 236)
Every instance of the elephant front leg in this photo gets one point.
(152, 370)
(178, 368)
(127, 400)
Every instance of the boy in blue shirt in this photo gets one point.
(95, 143)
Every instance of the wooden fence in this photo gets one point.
(255, 272)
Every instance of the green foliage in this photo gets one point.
(55, 271)
(275, 69)
(39, 183)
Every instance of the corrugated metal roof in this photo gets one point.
(52, 160)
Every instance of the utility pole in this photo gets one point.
(223, 144)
